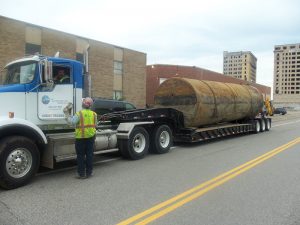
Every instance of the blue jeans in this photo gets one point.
(85, 151)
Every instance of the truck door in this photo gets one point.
(52, 100)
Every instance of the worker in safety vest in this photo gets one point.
(85, 131)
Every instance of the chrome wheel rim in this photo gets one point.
(257, 126)
(139, 143)
(164, 139)
(18, 163)
(263, 125)
(268, 124)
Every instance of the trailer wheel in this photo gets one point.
(268, 124)
(136, 147)
(262, 125)
(256, 126)
(162, 139)
(19, 161)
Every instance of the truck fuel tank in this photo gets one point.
(105, 139)
(207, 102)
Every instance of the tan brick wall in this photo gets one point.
(53, 41)
(101, 58)
(12, 40)
(134, 80)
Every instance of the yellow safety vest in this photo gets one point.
(87, 124)
(62, 80)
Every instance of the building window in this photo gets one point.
(33, 40)
(61, 74)
(118, 68)
(118, 95)
(79, 57)
(32, 49)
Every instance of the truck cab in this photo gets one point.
(32, 110)
(31, 92)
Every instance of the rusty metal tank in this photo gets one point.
(208, 102)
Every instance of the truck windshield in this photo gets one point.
(19, 73)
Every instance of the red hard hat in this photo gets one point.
(87, 102)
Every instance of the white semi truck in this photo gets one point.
(34, 132)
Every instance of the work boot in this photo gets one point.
(80, 177)
(89, 175)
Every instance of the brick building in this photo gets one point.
(156, 74)
(287, 75)
(116, 72)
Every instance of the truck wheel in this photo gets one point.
(136, 147)
(268, 124)
(19, 161)
(162, 139)
(262, 125)
(256, 126)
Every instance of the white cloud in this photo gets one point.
(190, 32)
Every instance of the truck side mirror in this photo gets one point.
(46, 73)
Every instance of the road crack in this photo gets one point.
(7, 217)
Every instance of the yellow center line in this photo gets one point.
(202, 188)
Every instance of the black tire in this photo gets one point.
(122, 144)
(256, 126)
(262, 125)
(136, 147)
(268, 124)
(19, 161)
(161, 140)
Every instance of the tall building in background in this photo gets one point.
(240, 65)
(286, 85)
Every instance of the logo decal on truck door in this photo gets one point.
(45, 99)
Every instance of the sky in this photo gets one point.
(189, 32)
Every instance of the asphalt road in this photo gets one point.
(191, 178)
